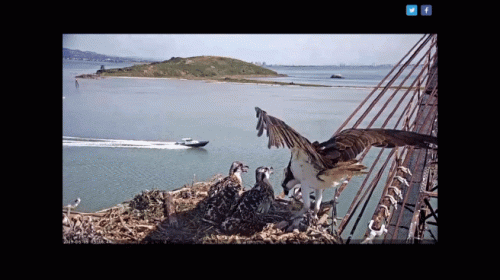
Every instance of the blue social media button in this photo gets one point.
(411, 10)
(426, 10)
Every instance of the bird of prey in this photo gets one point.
(317, 166)
(245, 218)
(223, 196)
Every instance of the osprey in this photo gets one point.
(245, 218)
(222, 196)
(317, 166)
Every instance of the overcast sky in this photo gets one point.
(286, 49)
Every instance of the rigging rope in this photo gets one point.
(406, 116)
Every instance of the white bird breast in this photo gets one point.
(305, 172)
(238, 176)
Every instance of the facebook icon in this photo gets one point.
(426, 10)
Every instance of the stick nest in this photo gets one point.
(146, 219)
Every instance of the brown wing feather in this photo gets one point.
(351, 142)
(282, 135)
(344, 146)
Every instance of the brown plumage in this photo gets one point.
(317, 166)
(223, 196)
(344, 146)
(246, 216)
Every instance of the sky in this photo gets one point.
(285, 49)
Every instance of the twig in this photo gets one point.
(124, 225)
(170, 208)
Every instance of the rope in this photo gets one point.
(375, 89)
(406, 116)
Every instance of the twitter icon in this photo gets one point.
(411, 10)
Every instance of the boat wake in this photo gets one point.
(69, 141)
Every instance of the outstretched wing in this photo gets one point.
(281, 135)
(350, 142)
(345, 146)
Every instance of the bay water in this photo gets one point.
(119, 133)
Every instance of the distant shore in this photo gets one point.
(230, 79)
(207, 68)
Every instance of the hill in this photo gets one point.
(198, 67)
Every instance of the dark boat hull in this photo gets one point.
(199, 144)
(336, 76)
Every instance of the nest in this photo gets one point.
(82, 230)
(177, 217)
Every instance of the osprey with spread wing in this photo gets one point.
(317, 166)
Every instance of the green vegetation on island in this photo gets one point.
(191, 68)
(197, 68)
(212, 68)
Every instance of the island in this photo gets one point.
(215, 68)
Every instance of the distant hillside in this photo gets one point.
(201, 67)
(92, 56)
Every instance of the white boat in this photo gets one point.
(191, 143)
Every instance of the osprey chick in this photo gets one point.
(245, 218)
(222, 196)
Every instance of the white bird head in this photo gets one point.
(238, 167)
(263, 172)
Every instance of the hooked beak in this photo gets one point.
(292, 185)
(244, 168)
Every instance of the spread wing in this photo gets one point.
(345, 146)
(281, 135)
(350, 142)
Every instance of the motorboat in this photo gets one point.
(337, 76)
(191, 143)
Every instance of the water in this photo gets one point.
(353, 76)
(119, 133)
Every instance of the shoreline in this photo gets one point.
(212, 69)
(237, 80)
(229, 79)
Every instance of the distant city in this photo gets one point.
(341, 65)
(92, 56)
